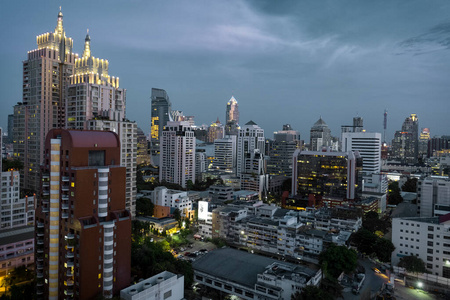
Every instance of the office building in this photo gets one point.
(405, 145)
(327, 173)
(177, 158)
(250, 138)
(428, 238)
(83, 242)
(225, 154)
(423, 142)
(433, 196)
(284, 144)
(161, 109)
(127, 132)
(232, 117)
(368, 144)
(46, 76)
(320, 136)
(356, 127)
(143, 154)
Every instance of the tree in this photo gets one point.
(412, 264)
(177, 216)
(371, 215)
(384, 249)
(338, 259)
(394, 196)
(144, 207)
(410, 185)
(311, 292)
(364, 240)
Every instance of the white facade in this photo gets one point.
(200, 163)
(14, 211)
(127, 132)
(433, 196)
(253, 177)
(250, 138)
(225, 154)
(426, 238)
(177, 153)
(369, 146)
(163, 196)
(163, 286)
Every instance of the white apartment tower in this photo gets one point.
(250, 138)
(225, 154)
(177, 153)
(433, 195)
(369, 146)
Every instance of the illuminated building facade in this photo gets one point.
(215, 131)
(405, 145)
(320, 136)
(161, 109)
(232, 117)
(335, 174)
(81, 214)
(225, 154)
(46, 75)
(423, 142)
(143, 155)
(250, 138)
(177, 153)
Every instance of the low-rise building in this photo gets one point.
(163, 286)
(164, 199)
(16, 248)
(251, 276)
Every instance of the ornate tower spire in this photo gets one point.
(87, 45)
(59, 25)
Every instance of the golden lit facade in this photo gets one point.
(46, 75)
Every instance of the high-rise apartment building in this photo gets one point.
(232, 117)
(161, 109)
(215, 131)
(320, 136)
(368, 144)
(285, 143)
(336, 174)
(405, 145)
(177, 153)
(225, 154)
(95, 102)
(254, 177)
(143, 155)
(127, 132)
(46, 76)
(250, 137)
(83, 243)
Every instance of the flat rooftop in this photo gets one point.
(241, 267)
(9, 236)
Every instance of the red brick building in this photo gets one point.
(83, 231)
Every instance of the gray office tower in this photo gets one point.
(161, 108)
(285, 143)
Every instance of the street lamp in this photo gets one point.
(419, 285)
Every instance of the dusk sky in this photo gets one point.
(284, 61)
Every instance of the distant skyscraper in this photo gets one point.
(232, 117)
(285, 143)
(83, 231)
(250, 137)
(161, 109)
(405, 145)
(143, 155)
(253, 177)
(356, 127)
(320, 136)
(423, 142)
(215, 131)
(46, 75)
(177, 151)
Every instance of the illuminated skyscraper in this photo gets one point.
(232, 117)
(405, 145)
(46, 75)
(423, 142)
(161, 108)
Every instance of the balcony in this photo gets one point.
(65, 197)
(65, 206)
(65, 178)
(40, 274)
(70, 236)
(69, 273)
(40, 234)
(65, 188)
(69, 282)
(45, 193)
(40, 225)
(45, 209)
(69, 264)
(65, 215)
(69, 255)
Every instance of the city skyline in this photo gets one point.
(348, 60)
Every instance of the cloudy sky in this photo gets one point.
(284, 61)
